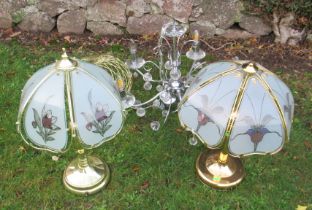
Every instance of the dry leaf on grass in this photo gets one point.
(144, 186)
(308, 145)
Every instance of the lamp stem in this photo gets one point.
(82, 159)
(86, 174)
(223, 157)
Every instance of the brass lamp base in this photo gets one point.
(86, 175)
(219, 170)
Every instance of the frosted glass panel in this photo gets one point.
(258, 126)
(32, 83)
(44, 119)
(99, 74)
(285, 98)
(98, 113)
(208, 72)
(206, 112)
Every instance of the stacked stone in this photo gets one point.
(116, 17)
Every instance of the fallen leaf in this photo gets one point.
(295, 158)
(308, 145)
(136, 168)
(67, 38)
(147, 37)
(134, 129)
(144, 186)
(44, 42)
(179, 130)
(10, 74)
(55, 158)
(15, 34)
(18, 193)
(303, 20)
(8, 32)
(22, 149)
(103, 41)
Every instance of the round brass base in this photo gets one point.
(216, 174)
(86, 175)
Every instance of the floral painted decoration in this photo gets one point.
(98, 121)
(202, 118)
(257, 131)
(45, 124)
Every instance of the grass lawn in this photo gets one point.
(150, 170)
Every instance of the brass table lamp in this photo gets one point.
(72, 100)
(238, 108)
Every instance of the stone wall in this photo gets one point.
(117, 17)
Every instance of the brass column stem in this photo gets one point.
(82, 159)
(223, 158)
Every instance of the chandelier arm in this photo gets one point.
(138, 71)
(153, 64)
(167, 42)
(194, 67)
(185, 44)
(147, 102)
(156, 81)
(178, 44)
(162, 74)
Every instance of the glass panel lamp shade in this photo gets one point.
(241, 108)
(70, 100)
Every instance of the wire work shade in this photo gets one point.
(66, 100)
(240, 105)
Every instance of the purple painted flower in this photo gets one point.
(45, 124)
(97, 121)
(100, 113)
(202, 118)
(47, 120)
(256, 132)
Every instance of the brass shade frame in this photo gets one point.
(223, 160)
(84, 167)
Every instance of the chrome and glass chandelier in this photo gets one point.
(170, 84)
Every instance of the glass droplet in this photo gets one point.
(128, 100)
(165, 96)
(162, 106)
(164, 113)
(155, 125)
(140, 112)
(147, 77)
(193, 141)
(147, 86)
(175, 74)
(156, 103)
(159, 88)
